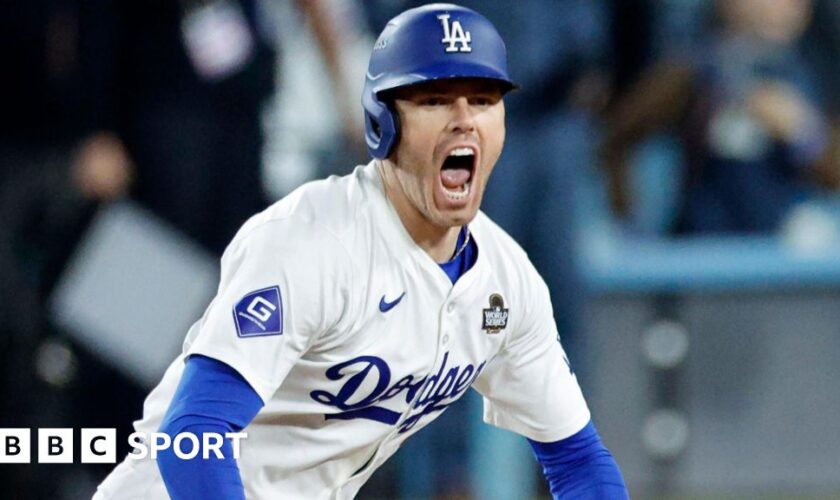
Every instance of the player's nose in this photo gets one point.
(462, 119)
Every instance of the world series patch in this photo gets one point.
(259, 313)
(496, 316)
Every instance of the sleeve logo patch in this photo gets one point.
(259, 313)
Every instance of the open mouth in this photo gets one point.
(456, 173)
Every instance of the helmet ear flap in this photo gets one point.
(381, 126)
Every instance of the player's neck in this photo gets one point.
(439, 242)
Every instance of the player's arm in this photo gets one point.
(580, 467)
(276, 277)
(211, 398)
(530, 388)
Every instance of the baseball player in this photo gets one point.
(351, 313)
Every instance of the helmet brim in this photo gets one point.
(443, 71)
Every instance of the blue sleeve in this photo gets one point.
(580, 467)
(212, 397)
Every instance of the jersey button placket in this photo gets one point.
(411, 404)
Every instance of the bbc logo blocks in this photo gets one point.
(99, 446)
(15, 446)
(56, 446)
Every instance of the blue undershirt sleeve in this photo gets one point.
(580, 467)
(212, 397)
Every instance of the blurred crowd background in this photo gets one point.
(672, 168)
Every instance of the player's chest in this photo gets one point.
(415, 348)
(412, 319)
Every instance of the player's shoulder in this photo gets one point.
(320, 212)
(499, 244)
(507, 258)
(512, 270)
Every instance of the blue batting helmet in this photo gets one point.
(432, 42)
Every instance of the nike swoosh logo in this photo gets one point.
(386, 306)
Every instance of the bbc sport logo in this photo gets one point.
(99, 445)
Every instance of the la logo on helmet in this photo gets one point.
(454, 35)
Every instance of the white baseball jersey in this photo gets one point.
(355, 339)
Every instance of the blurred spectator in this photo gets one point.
(189, 84)
(99, 99)
(748, 110)
(633, 33)
(104, 98)
(183, 83)
(313, 125)
(823, 46)
(55, 169)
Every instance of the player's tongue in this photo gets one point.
(457, 168)
(453, 178)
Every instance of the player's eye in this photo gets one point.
(432, 100)
(482, 100)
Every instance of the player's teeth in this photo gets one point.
(461, 152)
(458, 195)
